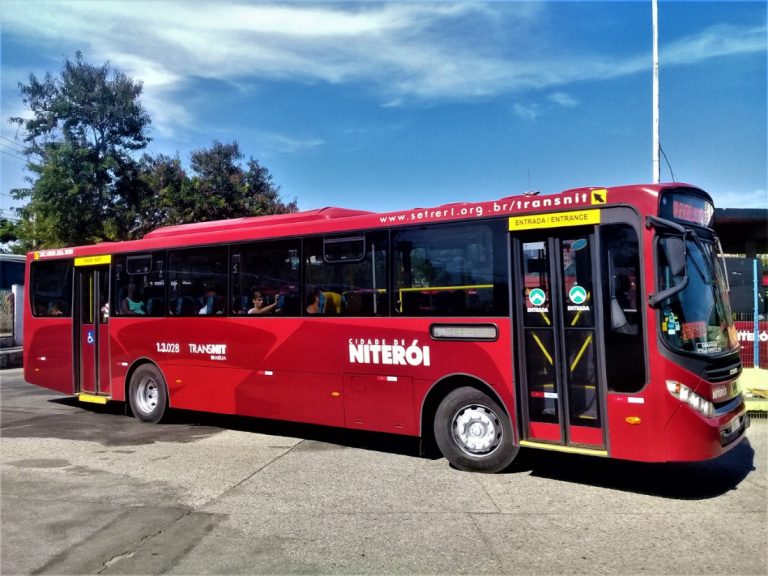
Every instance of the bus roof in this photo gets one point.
(329, 220)
(255, 221)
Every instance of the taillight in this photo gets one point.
(696, 402)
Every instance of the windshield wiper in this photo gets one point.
(692, 259)
(713, 284)
(708, 260)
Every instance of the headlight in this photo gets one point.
(696, 402)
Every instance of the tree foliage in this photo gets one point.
(217, 186)
(222, 188)
(86, 127)
(9, 231)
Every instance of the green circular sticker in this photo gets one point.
(578, 295)
(537, 297)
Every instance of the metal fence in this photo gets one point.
(752, 341)
(6, 313)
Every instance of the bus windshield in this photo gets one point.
(697, 319)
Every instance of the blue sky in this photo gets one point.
(386, 106)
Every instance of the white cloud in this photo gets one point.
(530, 111)
(400, 50)
(563, 99)
(716, 41)
(274, 142)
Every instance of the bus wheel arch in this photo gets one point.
(464, 419)
(146, 391)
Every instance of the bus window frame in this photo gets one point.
(629, 216)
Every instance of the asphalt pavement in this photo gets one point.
(87, 490)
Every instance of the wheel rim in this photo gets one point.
(147, 395)
(477, 430)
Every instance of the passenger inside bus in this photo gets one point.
(260, 306)
(132, 305)
(315, 302)
(212, 304)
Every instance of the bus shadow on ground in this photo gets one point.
(188, 426)
(676, 480)
(341, 437)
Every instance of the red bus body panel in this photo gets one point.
(303, 369)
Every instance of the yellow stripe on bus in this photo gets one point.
(554, 220)
(559, 448)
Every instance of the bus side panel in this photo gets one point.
(196, 363)
(267, 367)
(130, 340)
(633, 425)
(384, 370)
(48, 353)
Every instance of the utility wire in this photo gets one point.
(18, 149)
(14, 142)
(672, 174)
(13, 155)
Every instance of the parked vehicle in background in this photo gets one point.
(11, 272)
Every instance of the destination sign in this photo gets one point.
(687, 208)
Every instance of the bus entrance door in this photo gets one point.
(91, 313)
(559, 379)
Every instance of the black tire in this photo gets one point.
(148, 394)
(473, 432)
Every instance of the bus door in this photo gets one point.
(556, 320)
(91, 325)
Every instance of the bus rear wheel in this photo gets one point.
(148, 394)
(473, 432)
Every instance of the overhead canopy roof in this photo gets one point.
(742, 230)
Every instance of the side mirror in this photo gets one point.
(675, 251)
(674, 247)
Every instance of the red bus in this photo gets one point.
(595, 321)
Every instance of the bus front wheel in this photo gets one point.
(147, 394)
(473, 432)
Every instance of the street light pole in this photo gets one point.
(656, 145)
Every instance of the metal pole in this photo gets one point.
(18, 314)
(755, 322)
(656, 164)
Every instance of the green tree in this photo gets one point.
(9, 231)
(162, 187)
(216, 187)
(222, 188)
(86, 123)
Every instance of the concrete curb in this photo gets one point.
(10, 357)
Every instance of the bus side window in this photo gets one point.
(138, 285)
(624, 347)
(346, 276)
(197, 278)
(51, 288)
(451, 270)
(269, 270)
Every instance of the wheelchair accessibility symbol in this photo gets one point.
(91, 339)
